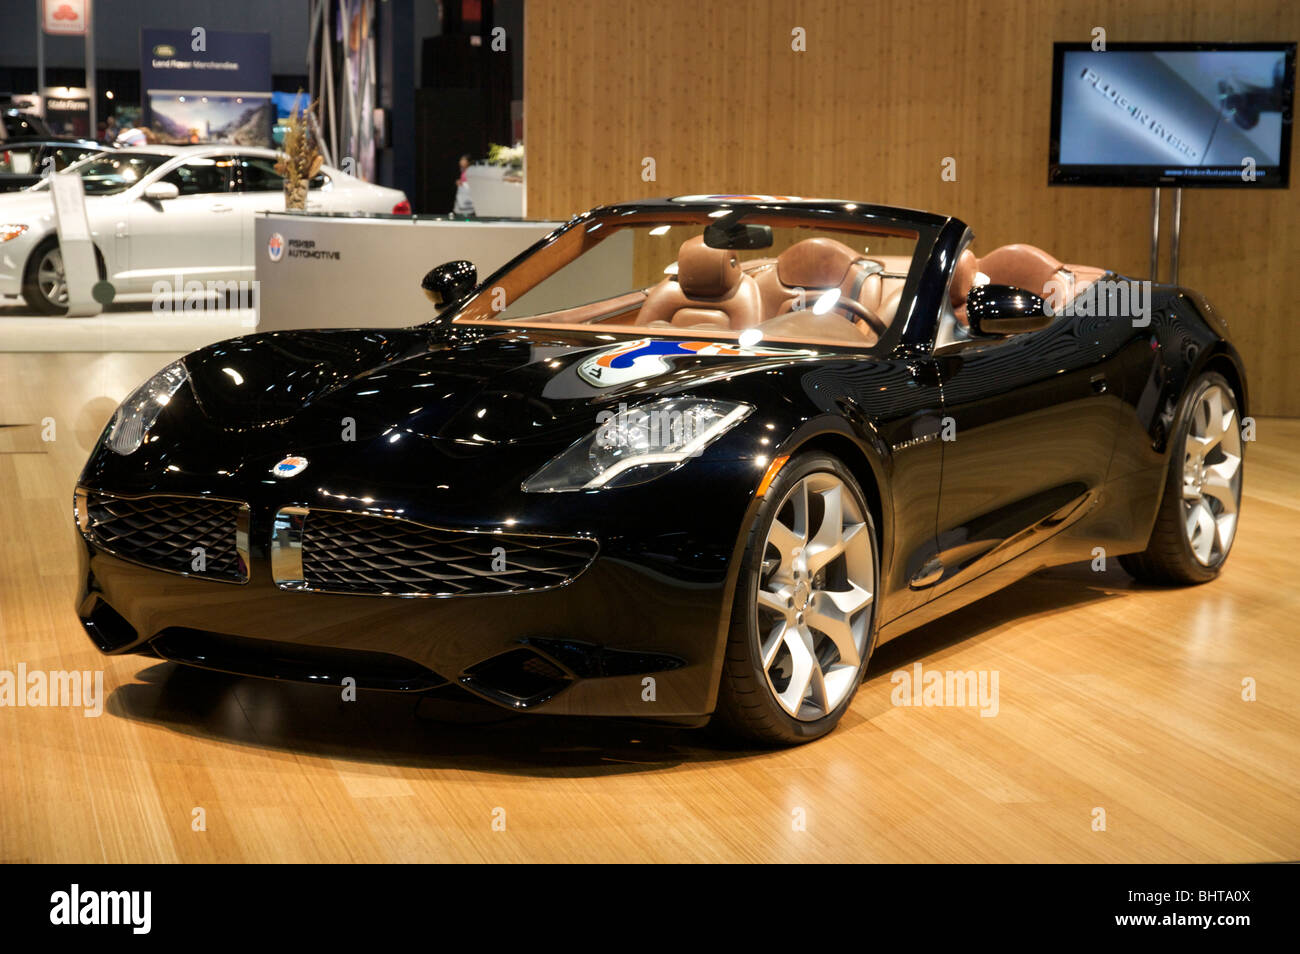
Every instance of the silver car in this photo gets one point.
(171, 214)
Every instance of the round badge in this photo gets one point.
(289, 467)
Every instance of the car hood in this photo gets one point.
(472, 388)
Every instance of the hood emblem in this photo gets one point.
(290, 466)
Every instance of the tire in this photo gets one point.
(766, 704)
(37, 297)
(1188, 544)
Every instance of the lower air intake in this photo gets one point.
(520, 678)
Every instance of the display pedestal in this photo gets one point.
(494, 195)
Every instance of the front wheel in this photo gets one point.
(1197, 520)
(803, 620)
(45, 286)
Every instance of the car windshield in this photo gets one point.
(741, 274)
(108, 174)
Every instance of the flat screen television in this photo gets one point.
(1172, 114)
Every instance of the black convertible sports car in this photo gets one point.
(681, 458)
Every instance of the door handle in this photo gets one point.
(1099, 385)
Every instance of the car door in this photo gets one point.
(193, 237)
(1028, 431)
(257, 188)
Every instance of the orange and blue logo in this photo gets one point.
(289, 467)
(275, 247)
(648, 357)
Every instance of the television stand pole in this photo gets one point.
(1155, 234)
(1174, 234)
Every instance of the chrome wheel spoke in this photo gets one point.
(1201, 530)
(802, 664)
(828, 542)
(1197, 447)
(1214, 415)
(786, 542)
(1220, 488)
(775, 639)
(777, 599)
(827, 618)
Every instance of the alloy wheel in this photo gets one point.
(1212, 476)
(815, 594)
(50, 278)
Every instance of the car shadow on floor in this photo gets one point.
(396, 729)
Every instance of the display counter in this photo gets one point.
(319, 270)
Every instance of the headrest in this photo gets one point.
(704, 272)
(963, 277)
(815, 263)
(1024, 266)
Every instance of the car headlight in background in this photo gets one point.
(138, 412)
(632, 446)
(11, 231)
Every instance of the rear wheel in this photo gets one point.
(803, 620)
(1197, 520)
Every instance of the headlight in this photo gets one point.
(8, 232)
(137, 413)
(632, 446)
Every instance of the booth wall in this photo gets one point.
(714, 94)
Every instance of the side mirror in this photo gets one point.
(1004, 310)
(161, 191)
(450, 282)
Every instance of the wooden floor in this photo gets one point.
(1111, 697)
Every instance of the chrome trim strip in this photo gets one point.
(81, 509)
(286, 548)
(242, 520)
(288, 572)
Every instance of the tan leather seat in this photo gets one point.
(1031, 268)
(710, 292)
(815, 266)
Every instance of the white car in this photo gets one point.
(164, 213)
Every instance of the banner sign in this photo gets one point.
(64, 17)
(207, 85)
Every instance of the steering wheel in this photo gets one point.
(860, 312)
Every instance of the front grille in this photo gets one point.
(193, 536)
(362, 553)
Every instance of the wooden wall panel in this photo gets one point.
(711, 90)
